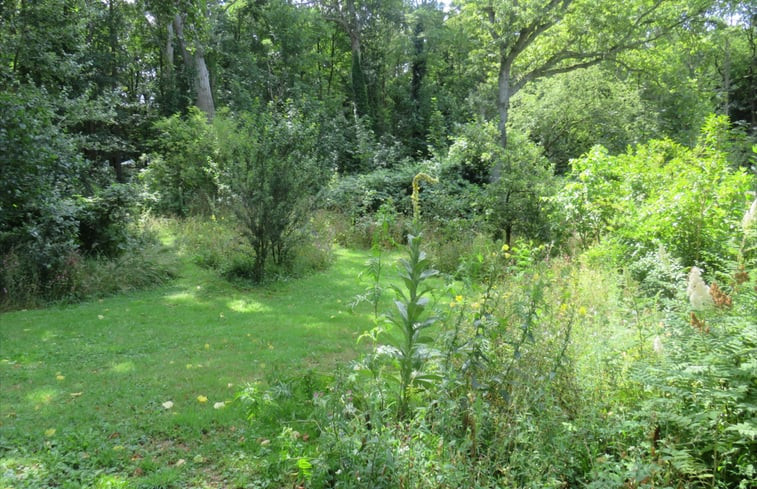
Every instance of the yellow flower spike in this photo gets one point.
(415, 197)
(202, 399)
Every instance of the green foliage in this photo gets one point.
(386, 219)
(105, 220)
(39, 170)
(359, 195)
(406, 341)
(701, 395)
(661, 193)
(267, 165)
(570, 113)
(180, 171)
(514, 203)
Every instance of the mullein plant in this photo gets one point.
(409, 319)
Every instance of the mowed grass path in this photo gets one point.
(82, 387)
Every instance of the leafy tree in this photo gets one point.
(268, 166)
(39, 171)
(569, 113)
(538, 39)
(514, 202)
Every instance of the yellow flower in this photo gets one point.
(49, 432)
(415, 197)
(582, 311)
(202, 399)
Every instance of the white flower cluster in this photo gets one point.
(698, 291)
(750, 218)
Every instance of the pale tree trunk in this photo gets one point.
(196, 64)
(504, 92)
(202, 85)
(168, 60)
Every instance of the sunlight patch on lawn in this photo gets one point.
(110, 482)
(44, 395)
(242, 305)
(181, 296)
(122, 368)
(49, 335)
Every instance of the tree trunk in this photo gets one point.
(504, 93)
(359, 86)
(168, 54)
(200, 77)
(419, 126)
(202, 85)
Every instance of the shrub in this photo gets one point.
(39, 169)
(105, 220)
(358, 196)
(271, 177)
(514, 201)
(687, 200)
(180, 169)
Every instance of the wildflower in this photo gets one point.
(167, 405)
(202, 399)
(750, 218)
(657, 345)
(741, 275)
(699, 324)
(698, 291)
(219, 405)
(415, 197)
(720, 298)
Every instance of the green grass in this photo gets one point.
(82, 386)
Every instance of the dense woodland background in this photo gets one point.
(553, 169)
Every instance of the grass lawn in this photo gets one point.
(82, 387)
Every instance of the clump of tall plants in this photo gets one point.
(660, 194)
